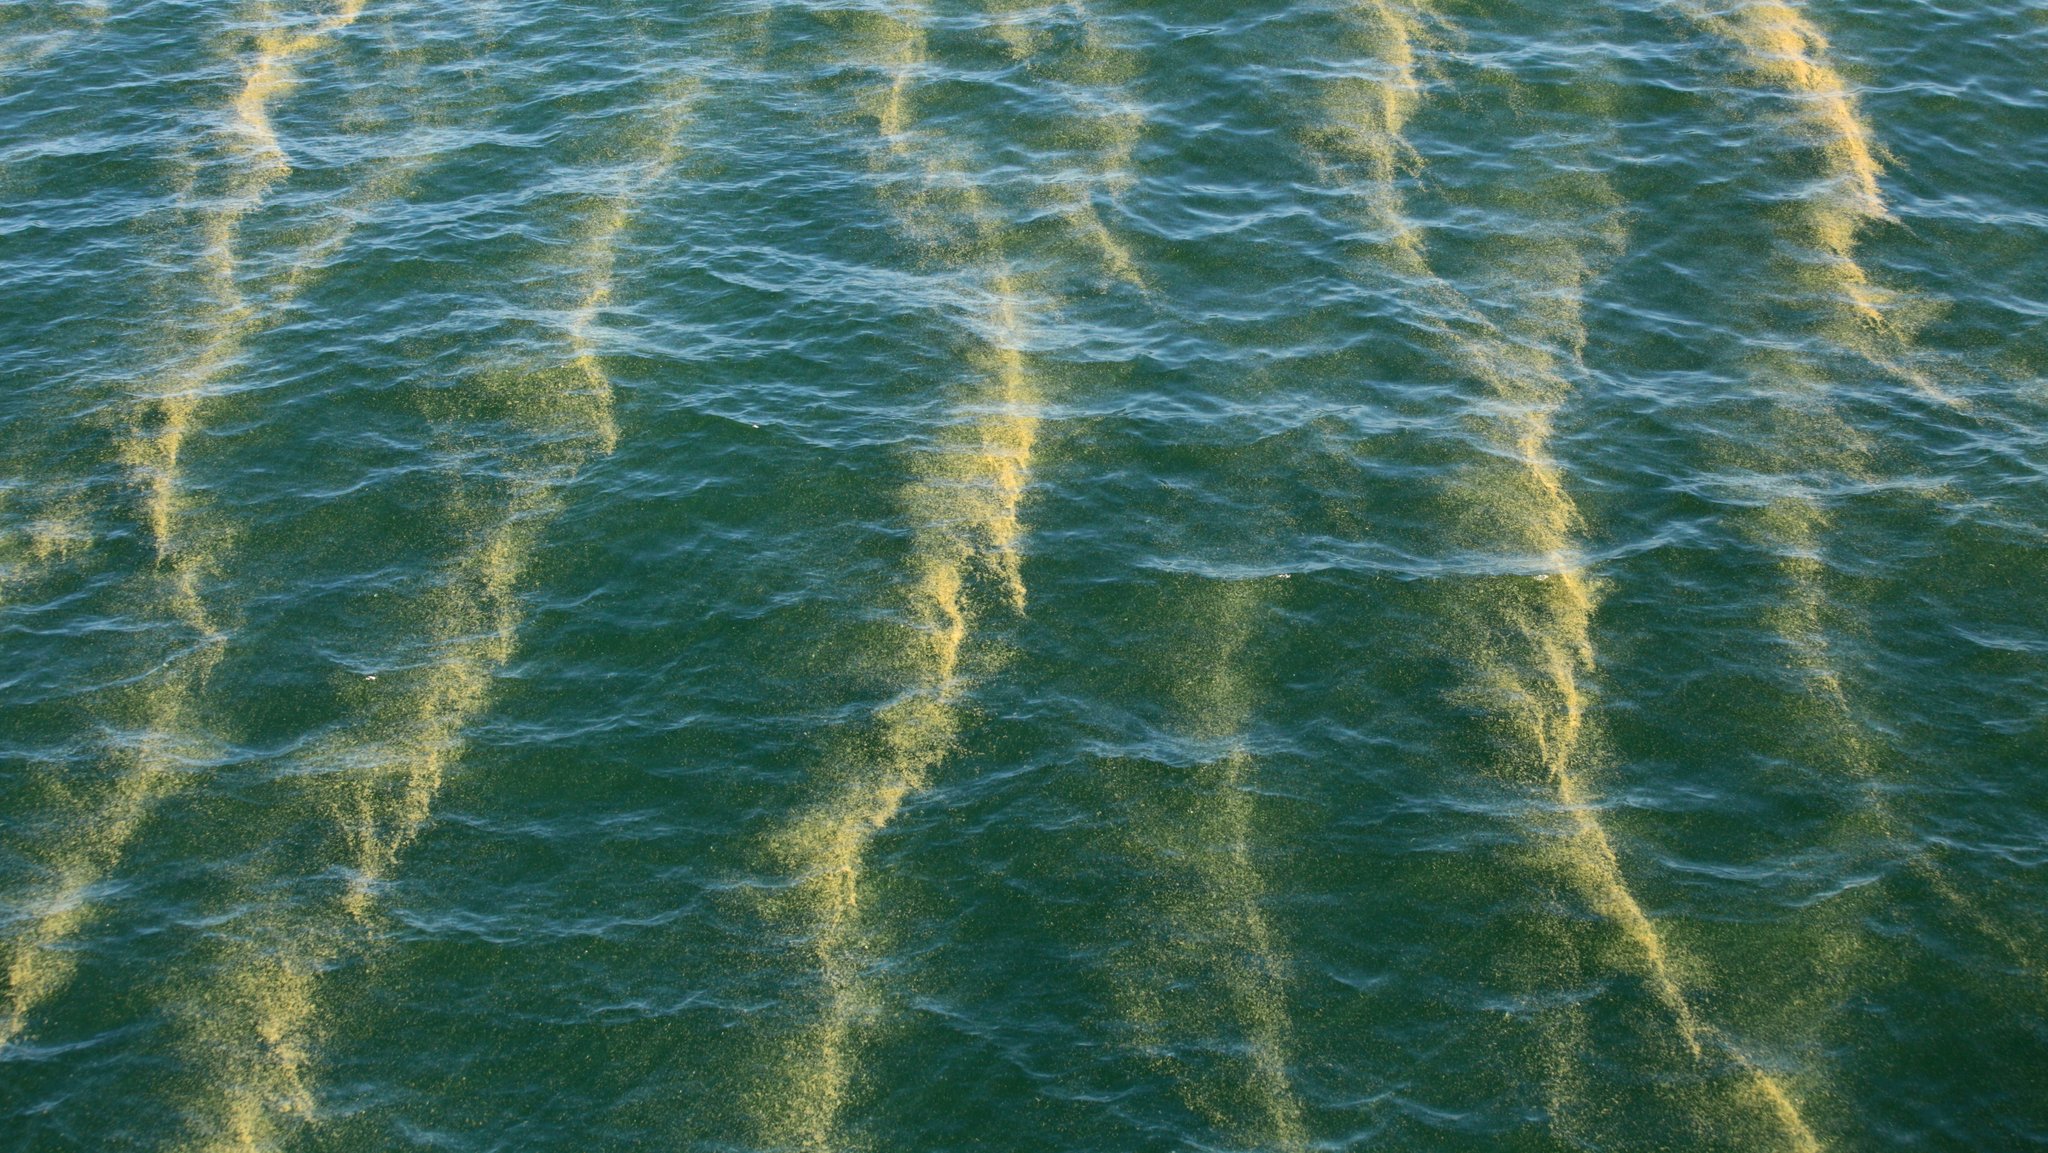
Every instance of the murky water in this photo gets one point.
(1023, 575)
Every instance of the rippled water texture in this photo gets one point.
(895, 575)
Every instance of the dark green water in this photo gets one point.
(1018, 575)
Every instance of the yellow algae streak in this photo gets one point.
(1096, 75)
(259, 1084)
(827, 847)
(168, 412)
(10, 552)
(47, 33)
(58, 533)
(1206, 959)
(1365, 133)
(256, 1027)
(965, 561)
(1781, 48)
(1533, 668)
(1794, 527)
(38, 966)
(473, 619)
(38, 963)
(1536, 651)
(49, 536)
(965, 550)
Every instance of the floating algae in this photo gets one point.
(1801, 448)
(389, 773)
(1782, 49)
(1093, 75)
(169, 412)
(1202, 959)
(965, 563)
(1530, 647)
(57, 530)
(32, 33)
(1320, 811)
(165, 706)
(964, 555)
(255, 1024)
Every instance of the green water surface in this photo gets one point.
(916, 575)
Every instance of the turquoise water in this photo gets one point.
(1007, 575)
